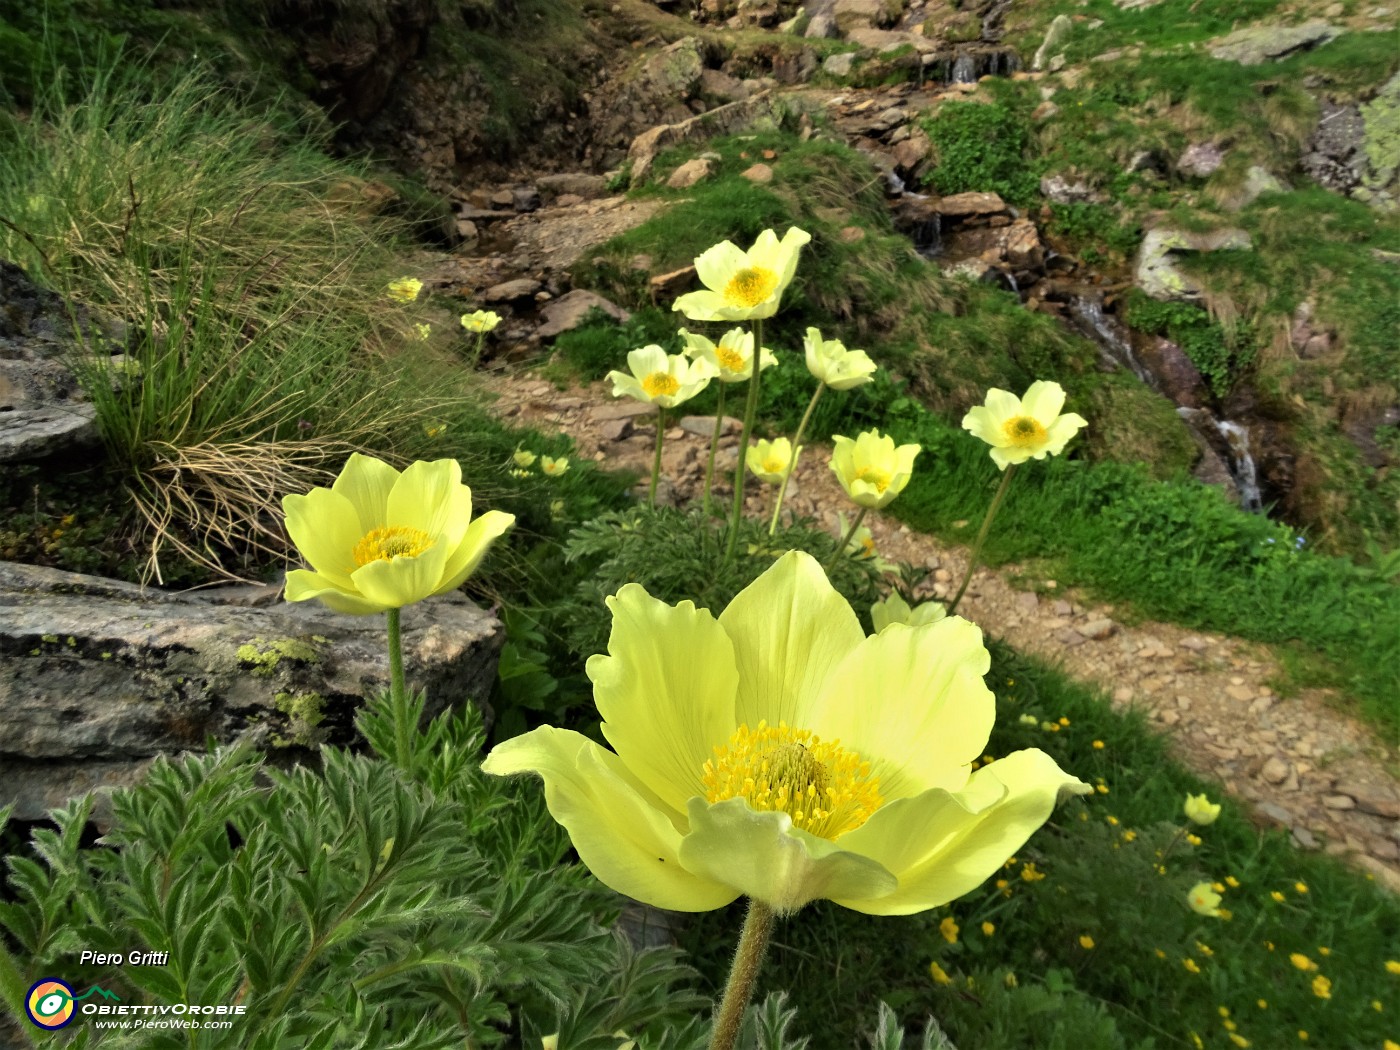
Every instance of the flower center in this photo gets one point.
(730, 359)
(660, 384)
(391, 541)
(774, 465)
(1023, 432)
(750, 286)
(873, 476)
(824, 788)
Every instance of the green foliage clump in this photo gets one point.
(370, 904)
(982, 147)
(1222, 356)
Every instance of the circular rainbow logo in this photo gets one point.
(49, 1003)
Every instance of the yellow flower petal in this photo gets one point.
(665, 716)
(396, 582)
(325, 528)
(302, 585)
(431, 497)
(912, 701)
(1043, 401)
(766, 858)
(790, 628)
(480, 534)
(616, 826)
(942, 845)
(366, 482)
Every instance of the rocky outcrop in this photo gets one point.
(1157, 273)
(98, 676)
(1256, 45)
(761, 111)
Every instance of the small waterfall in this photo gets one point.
(1110, 335)
(1234, 439)
(964, 70)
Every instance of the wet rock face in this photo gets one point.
(43, 412)
(99, 676)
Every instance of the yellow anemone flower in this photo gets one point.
(481, 321)
(554, 467)
(379, 539)
(661, 379)
(1204, 900)
(771, 460)
(732, 359)
(871, 470)
(1021, 428)
(861, 546)
(833, 364)
(1200, 809)
(523, 458)
(743, 285)
(405, 289)
(895, 609)
(776, 752)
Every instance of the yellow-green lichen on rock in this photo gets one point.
(264, 655)
(1382, 117)
(305, 711)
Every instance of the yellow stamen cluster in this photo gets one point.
(389, 542)
(878, 478)
(774, 465)
(826, 789)
(750, 286)
(730, 359)
(660, 384)
(1024, 432)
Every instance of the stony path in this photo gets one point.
(1296, 761)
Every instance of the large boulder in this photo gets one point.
(98, 676)
(762, 111)
(1255, 45)
(1157, 272)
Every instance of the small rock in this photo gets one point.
(1304, 838)
(572, 309)
(1241, 693)
(669, 285)
(758, 173)
(1098, 629)
(1339, 802)
(1275, 770)
(525, 199)
(689, 173)
(1201, 160)
(1193, 643)
(502, 199)
(1122, 695)
(623, 408)
(511, 291)
(839, 65)
(851, 234)
(1275, 813)
(1169, 718)
(704, 426)
(615, 429)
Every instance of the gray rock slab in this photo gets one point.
(1157, 273)
(1256, 45)
(572, 308)
(98, 676)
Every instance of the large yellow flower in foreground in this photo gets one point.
(776, 752)
(661, 379)
(732, 359)
(830, 362)
(1021, 428)
(379, 539)
(870, 468)
(743, 285)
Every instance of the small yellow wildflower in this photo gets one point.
(1224, 1011)
(988, 929)
(1063, 720)
(1010, 980)
(1376, 1005)
(1196, 1041)
(1029, 873)
(1232, 882)
(1263, 1004)
(939, 975)
(523, 458)
(949, 928)
(1390, 1044)
(1002, 884)
(1302, 962)
(1238, 1039)
(554, 467)
(1322, 987)
(1391, 966)
(1086, 942)
(1225, 915)
(1205, 949)
(405, 289)
(1098, 745)
(1102, 789)
(422, 331)
(434, 429)
(517, 473)
(480, 321)
(1160, 954)
(1269, 945)
(1218, 887)
(1301, 887)
(1130, 835)
(1276, 895)
(1303, 1035)
(1190, 965)
(1195, 840)
(1200, 810)
(1112, 820)
(1230, 1026)
(1324, 951)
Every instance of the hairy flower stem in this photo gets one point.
(656, 463)
(13, 988)
(982, 534)
(845, 541)
(748, 960)
(714, 444)
(398, 694)
(796, 439)
(750, 409)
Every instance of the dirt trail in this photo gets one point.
(1296, 761)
